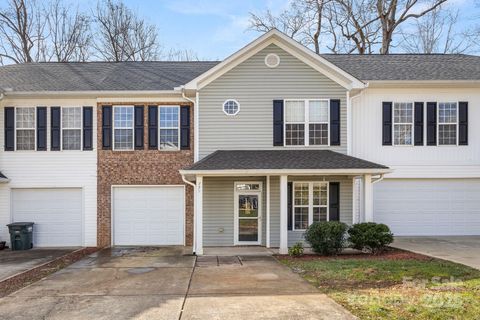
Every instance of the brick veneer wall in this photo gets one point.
(139, 167)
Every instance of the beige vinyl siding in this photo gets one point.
(218, 210)
(255, 86)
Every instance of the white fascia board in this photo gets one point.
(289, 45)
(290, 172)
(423, 83)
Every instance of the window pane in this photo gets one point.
(123, 117)
(25, 139)
(301, 194)
(71, 139)
(447, 112)
(403, 112)
(248, 186)
(301, 218)
(318, 111)
(318, 134)
(168, 138)
(25, 118)
(71, 118)
(247, 206)
(319, 214)
(320, 194)
(402, 134)
(247, 230)
(447, 134)
(295, 111)
(230, 107)
(123, 139)
(295, 134)
(168, 117)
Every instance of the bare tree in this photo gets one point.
(437, 32)
(122, 35)
(392, 13)
(180, 55)
(21, 31)
(69, 33)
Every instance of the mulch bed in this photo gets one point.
(28, 277)
(389, 254)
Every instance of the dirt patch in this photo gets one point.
(23, 279)
(390, 254)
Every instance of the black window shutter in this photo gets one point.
(152, 127)
(431, 123)
(107, 127)
(278, 122)
(55, 127)
(139, 127)
(184, 127)
(42, 128)
(463, 123)
(290, 205)
(87, 128)
(387, 124)
(9, 128)
(418, 124)
(334, 201)
(335, 122)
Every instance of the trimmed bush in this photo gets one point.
(370, 236)
(327, 237)
(296, 250)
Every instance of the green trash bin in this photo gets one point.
(21, 235)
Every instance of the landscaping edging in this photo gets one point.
(22, 279)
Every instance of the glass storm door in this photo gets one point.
(248, 214)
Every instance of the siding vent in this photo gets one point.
(272, 60)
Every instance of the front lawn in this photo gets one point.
(394, 285)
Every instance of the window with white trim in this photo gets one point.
(25, 128)
(71, 128)
(123, 127)
(169, 118)
(310, 203)
(306, 122)
(231, 107)
(447, 123)
(403, 123)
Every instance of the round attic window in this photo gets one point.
(231, 107)
(272, 60)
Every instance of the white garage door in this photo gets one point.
(429, 206)
(148, 215)
(57, 214)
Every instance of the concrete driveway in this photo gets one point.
(163, 283)
(464, 250)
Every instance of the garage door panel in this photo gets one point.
(149, 215)
(429, 206)
(57, 214)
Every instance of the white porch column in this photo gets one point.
(355, 213)
(199, 216)
(283, 215)
(267, 191)
(368, 197)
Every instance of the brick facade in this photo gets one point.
(140, 167)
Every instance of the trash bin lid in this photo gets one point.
(20, 224)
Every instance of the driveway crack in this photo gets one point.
(188, 288)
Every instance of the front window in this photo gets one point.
(447, 123)
(403, 123)
(310, 203)
(25, 128)
(169, 124)
(306, 122)
(71, 128)
(123, 128)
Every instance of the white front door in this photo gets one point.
(248, 213)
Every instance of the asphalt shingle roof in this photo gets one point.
(408, 66)
(281, 159)
(100, 76)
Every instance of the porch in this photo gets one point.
(268, 198)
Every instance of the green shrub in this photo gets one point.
(296, 250)
(327, 237)
(370, 236)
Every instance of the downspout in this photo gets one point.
(194, 210)
(380, 178)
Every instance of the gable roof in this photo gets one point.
(408, 67)
(100, 76)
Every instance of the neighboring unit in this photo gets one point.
(247, 151)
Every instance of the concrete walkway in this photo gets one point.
(464, 250)
(163, 283)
